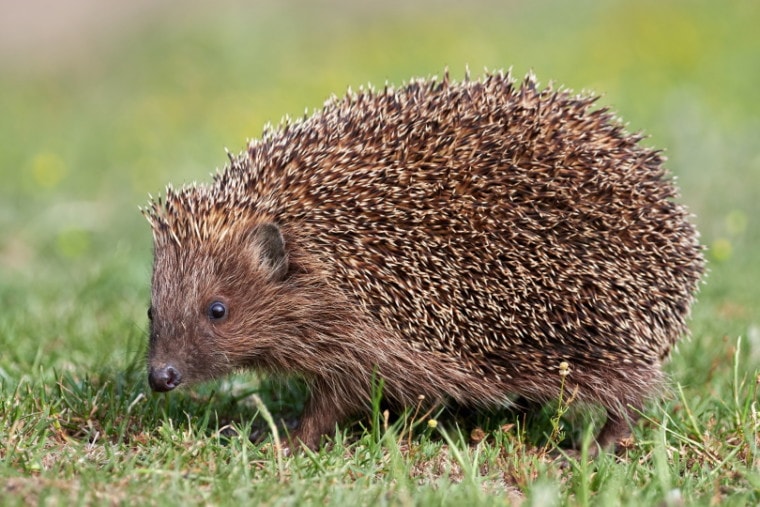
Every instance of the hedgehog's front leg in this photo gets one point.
(324, 410)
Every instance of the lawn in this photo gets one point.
(94, 122)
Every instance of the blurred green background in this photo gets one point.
(105, 102)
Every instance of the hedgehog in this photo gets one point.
(458, 241)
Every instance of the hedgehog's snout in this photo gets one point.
(164, 378)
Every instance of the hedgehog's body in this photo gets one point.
(461, 240)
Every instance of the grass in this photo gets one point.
(88, 136)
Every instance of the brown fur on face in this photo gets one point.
(459, 240)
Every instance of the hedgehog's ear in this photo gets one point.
(269, 249)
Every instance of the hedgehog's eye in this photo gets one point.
(217, 311)
(150, 312)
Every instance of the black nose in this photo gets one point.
(164, 378)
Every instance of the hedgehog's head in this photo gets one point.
(217, 280)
